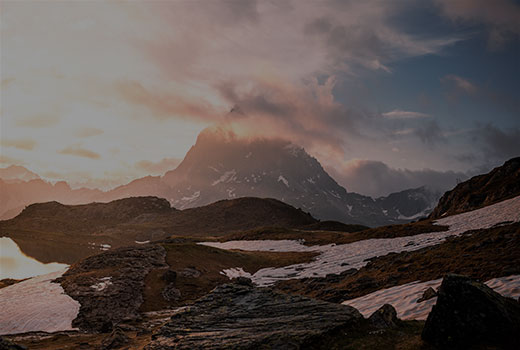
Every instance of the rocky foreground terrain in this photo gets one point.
(288, 287)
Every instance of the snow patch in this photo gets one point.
(142, 242)
(37, 304)
(235, 273)
(284, 180)
(404, 297)
(228, 176)
(191, 198)
(100, 246)
(335, 259)
(103, 283)
(231, 193)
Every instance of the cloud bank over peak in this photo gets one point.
(376, 179)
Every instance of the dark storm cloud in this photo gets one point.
(501, 17)
(497, 143)
(430, 133)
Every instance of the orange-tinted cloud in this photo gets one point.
(80, 152)
(39, 121)
(24, 144)
(9, 160)
(88, 132)
(164, 105)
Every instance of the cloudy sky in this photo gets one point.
(386, 94)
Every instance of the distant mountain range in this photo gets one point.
(222, 167)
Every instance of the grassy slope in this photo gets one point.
(209, 262)
(481, 254)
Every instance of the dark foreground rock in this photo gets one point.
(115, 340)
(6, 344)
(109, 286)
(427, 295)
(238, 316)
(384, 317)
(468, 313)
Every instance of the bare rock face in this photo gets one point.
(500, 184)
(384, 317)
(239, 316)
(107, 300)
(469, 313)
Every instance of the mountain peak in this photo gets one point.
(17, 173)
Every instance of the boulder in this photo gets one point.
(190, 272)
(6, 344)
(103, 308)
(243, 281)
(428, 294)
(384, 317)
(115, 340)
(240, 316)
(468, 313)
(170, 293)
(169, 276)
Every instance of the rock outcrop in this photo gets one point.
(240, 316)
(500, 184)
(109, 286)
(115, 340)
(384, 317)
(427, 295)
(469, 313)
(6, 344)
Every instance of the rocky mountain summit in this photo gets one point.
(222, 167)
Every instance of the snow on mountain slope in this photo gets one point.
(36, 304)
(221, 167)
(338, 258)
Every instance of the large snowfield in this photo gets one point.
(335, 259)
(36, 304)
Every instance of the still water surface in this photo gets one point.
(15, 264)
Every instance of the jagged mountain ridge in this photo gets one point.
(499, 184)
(219, 167)
(224, 167)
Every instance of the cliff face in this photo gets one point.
(501, 183)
